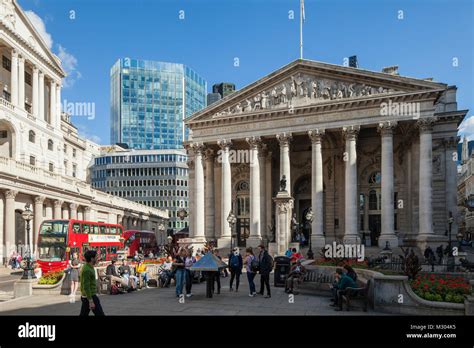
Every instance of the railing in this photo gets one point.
(6, 103)
(395, 264)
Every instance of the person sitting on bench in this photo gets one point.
(295, 277)
(344, 282)
(125, 272)
(111, 272)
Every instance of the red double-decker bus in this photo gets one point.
(58, 240)
(140, 240)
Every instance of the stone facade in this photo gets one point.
(369, 152)
(43, 161)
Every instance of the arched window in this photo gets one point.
(375, 178)
(373, 200)
(50, 145)
(32, 136)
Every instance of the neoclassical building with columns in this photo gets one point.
(43, 160)
(372, 154)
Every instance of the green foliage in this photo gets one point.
(51, 278)
(411, 265)
(441, 288)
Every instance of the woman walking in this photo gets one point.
(249, 258)
(74, 266)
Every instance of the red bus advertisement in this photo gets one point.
(142, 241)
(58, 240)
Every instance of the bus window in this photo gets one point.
(103, 253)
(113, 250)
(119, 230)
(95, 229)
(76, 227)
(113, 230)
(102, 229)
(85, 228)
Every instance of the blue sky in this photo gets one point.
(260, 34)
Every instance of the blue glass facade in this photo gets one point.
(149, 101)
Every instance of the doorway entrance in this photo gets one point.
(375, 223)
(304, 206)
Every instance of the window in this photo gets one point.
(51, 167)
(27, 78)
(3, 134)
(65, 148)
(6, 63)
(95, 229)
(32, 136)
(74, 170)
(74, 153)
(375, 178)
(85, 228)
(32, 160)
(7, 96)
(103, 230)
(76, 227)
(373, 200)
(50, 145)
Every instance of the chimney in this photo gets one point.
(392, 70)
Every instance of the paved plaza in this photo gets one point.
(163, 301)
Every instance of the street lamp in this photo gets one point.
(161, 229)
(309, 217)
(27, 263)
(232, 220)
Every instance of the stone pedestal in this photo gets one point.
(283, 210)
(23, 287)
(391, 239)
(433, 240)
(224, 242)
(272, 249)
(253, 241)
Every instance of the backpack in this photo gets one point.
(114, 290)
(254, 265)
(234, 261)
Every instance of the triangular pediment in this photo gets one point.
(308, 83)
(14, 18)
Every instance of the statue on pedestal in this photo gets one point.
(283, 183)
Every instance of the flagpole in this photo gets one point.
(301, 28)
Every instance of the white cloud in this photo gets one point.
(84, 133)
(69, 64)
(68, 61)
(40, 27)
(466, 128)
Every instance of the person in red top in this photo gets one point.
(295, 256)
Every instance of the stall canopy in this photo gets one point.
(208, 262)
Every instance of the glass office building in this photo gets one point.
(150, 100)
(156, 178)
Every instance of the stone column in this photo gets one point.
(226, 199)
(191, 205)
(351, 207)
(34, 92)
(283, 211)
(2, 231)
(255, 237)
(66, 214)
(57, 213)
(317, 190)
(426, 232)
(52, 103)
(73, 208)
(210, 211)
(119, 219)
(14, 78)
(21, 82)
(49, 210)
(284, 139)
(10, 242)
(199, 220)
(58, 105)
(38, 219)
(268, 198)
(451, 183)
(41, 113)
(388, 233)
(262, 156)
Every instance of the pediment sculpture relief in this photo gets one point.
(303, 89)
(7, 12)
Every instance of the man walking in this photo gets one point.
(265, 262)
(89, 299)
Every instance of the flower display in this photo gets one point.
(447, 288)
